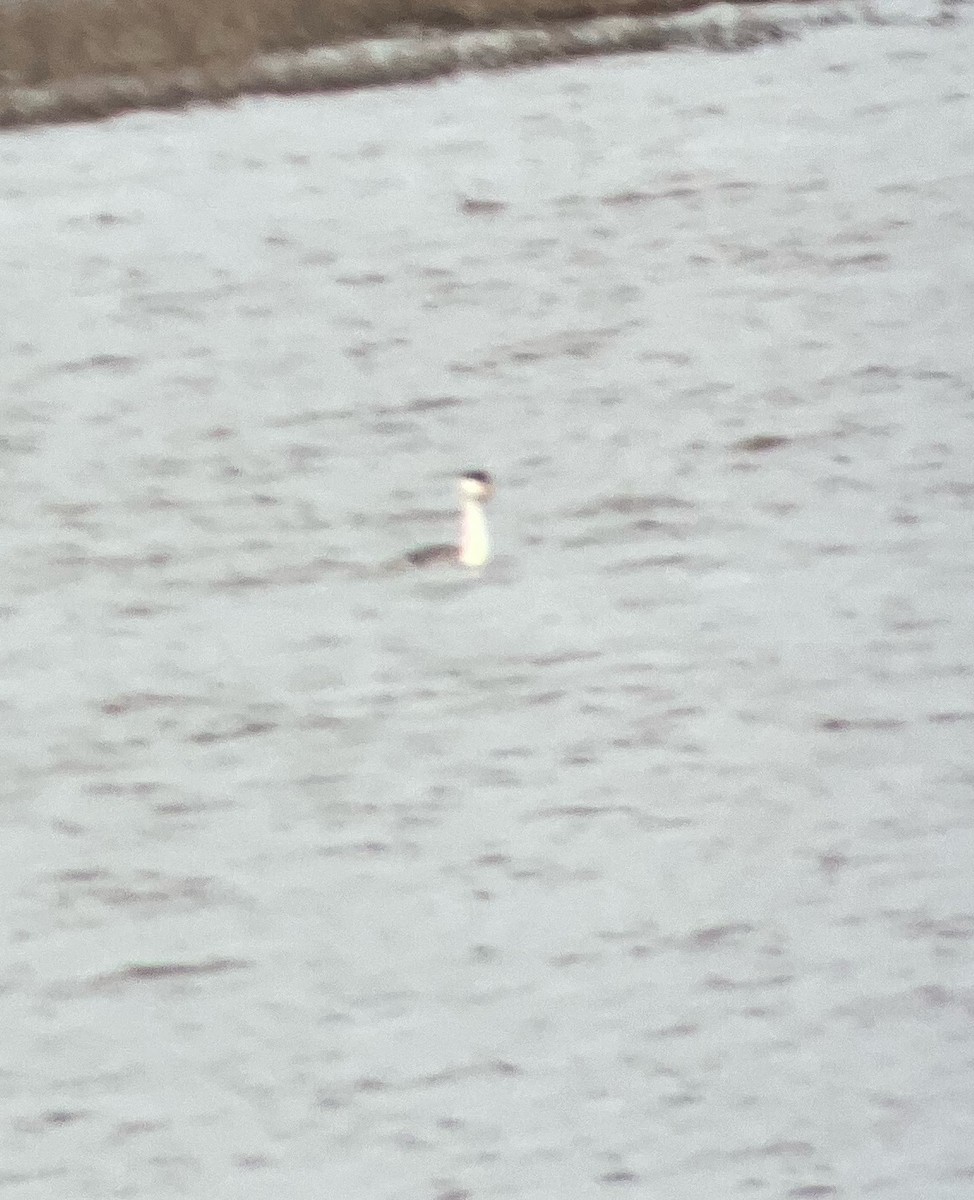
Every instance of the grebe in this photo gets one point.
(476, 488)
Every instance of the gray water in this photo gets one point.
(642, 862)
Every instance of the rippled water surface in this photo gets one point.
(643, 862)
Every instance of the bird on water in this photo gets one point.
(473, 549)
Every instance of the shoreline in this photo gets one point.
(378, 62)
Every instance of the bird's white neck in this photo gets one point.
(474, 542)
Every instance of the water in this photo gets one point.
(640, 863)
